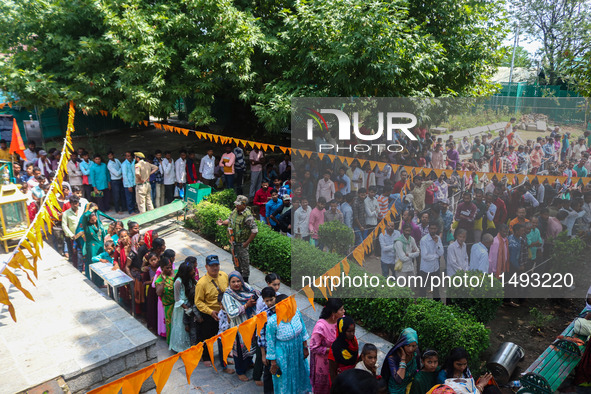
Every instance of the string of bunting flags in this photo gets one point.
(348, 160)
(10, 104)
(41, 227)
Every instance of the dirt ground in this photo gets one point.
(512, 324)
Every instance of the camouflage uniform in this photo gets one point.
(243, 225)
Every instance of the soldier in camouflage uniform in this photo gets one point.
(245, 229)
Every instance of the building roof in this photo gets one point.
(520, 74)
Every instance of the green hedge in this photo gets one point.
(380, 308)
(225, 198)
(204, 221)
(336, 236)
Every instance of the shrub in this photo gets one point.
(480, 301)
(539, 320)
(444, 327)
(225, 197)
(337, 236)
(270, 251)
(206, 215)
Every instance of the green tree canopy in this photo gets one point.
(522, 57)
(134, 58)
(563, 29)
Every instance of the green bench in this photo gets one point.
(158, 213)
(553, 366)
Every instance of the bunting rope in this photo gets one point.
(41, 227)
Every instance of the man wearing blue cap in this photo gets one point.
(208, 299)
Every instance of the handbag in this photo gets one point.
(220, 293)
(398, 265)
(98, 194)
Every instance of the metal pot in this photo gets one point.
(504, 361)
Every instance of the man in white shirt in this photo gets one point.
(180, 169)
(388, 257)
(207, 167)
(169, 175)
(406, 251)
(114, 167)
(256, 170)
(31, 154)
(372, 209)
(355, 174)
(457, 254)
(479, 254)
(431, 251)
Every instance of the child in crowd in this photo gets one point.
(274, 281)
(268, 296)
(369, 359)
(148, 274)
(426, 378)
(344, 352)
(104, 257)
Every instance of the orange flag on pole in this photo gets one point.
(17, 145)
(162, 372)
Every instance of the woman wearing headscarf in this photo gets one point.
(183, 282)
(402, 362)
(239, 302)
(344, 352)
(93, 233)
(287, 349)
(323, 335)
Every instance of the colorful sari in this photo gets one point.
(93, 236)
(167, 300)
(322, 338)
(397, 385)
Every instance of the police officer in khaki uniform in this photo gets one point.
(245, 229)
(143, 190)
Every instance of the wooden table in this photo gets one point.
(114, 278)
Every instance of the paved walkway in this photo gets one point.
(207, 380)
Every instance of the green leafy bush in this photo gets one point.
(225, 197)
(480, 301)
(539, 320)
(206, 215)
(270, 251)
(444, 327)
(337, 236)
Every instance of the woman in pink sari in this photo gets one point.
(324, 334)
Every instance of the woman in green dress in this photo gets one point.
(165, 290)
(402, 362)
(93, 233)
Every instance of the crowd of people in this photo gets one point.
(458, 222)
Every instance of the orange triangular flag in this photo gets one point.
(322, 290)
(247, 330)
(228, 337)
(6, 301)
(209, 342)
(132, 383)
(310, 295)
(283, 149)
(185, 131)
(346, 266)
(191, 358)
(261, 320)
(16, 145)
(162, 372)
(282, 310)
(109, 388)
(321, 156)
(358, 254)
(17, 283)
